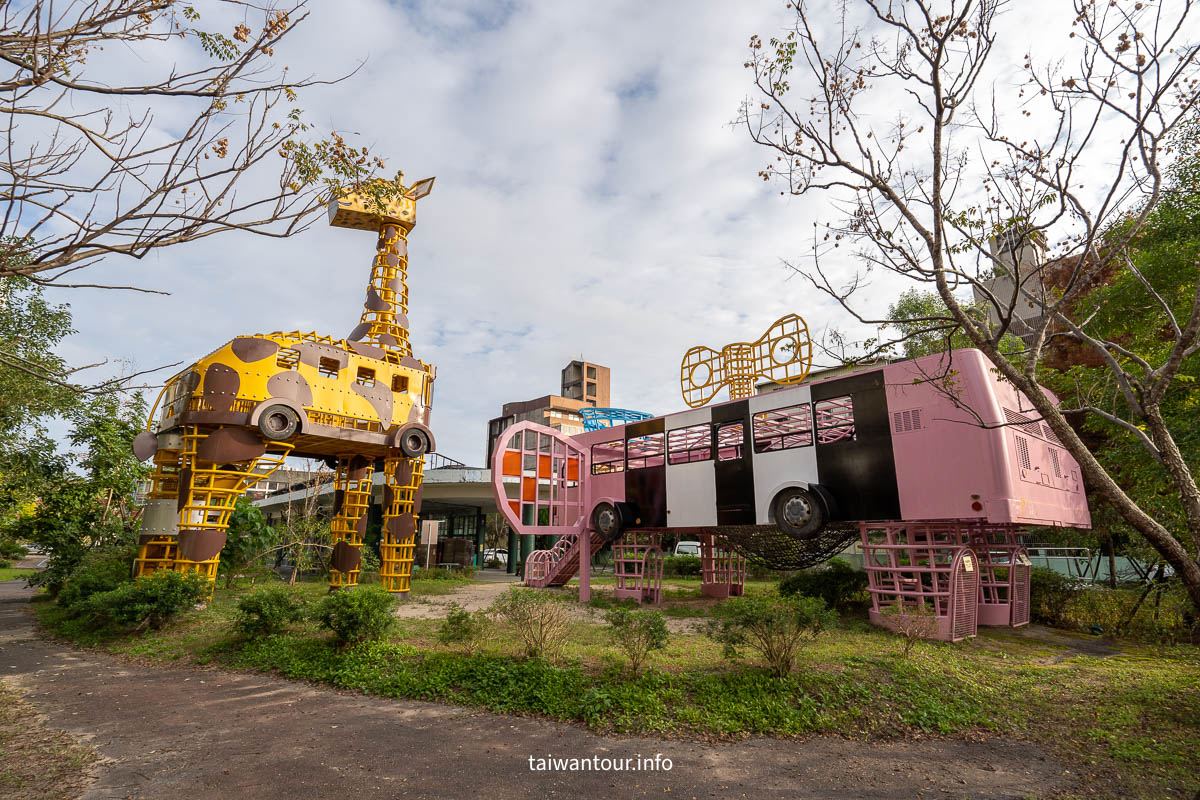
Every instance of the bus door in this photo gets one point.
(646, 471)
(732, 464)
(854, 447)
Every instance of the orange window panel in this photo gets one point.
(515, 505)
(512, 463)
(572, 469)
(543, 466)
(529, 489)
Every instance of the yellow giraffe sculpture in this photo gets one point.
(360, 403)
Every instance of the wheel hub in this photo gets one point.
(797, 511)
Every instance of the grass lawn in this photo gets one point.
(1130, 723)
(12, 573)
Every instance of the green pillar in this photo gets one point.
(527, 547)
(514, 544)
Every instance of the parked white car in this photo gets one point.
(687, 549)
(498, 554)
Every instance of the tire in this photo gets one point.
(278, 423)
(606, 521)
(414, 443)
(799, 513)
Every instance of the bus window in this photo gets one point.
(645, 451)
(608, 457)
(835, 420)
(685, 445)
(783, 428)
(729, 442)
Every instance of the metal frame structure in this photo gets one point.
(596, 418)
(229, 420)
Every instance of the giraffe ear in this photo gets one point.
(421, 188)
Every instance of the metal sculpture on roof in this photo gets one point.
(360, 403)
(783, 354)
(596, 418)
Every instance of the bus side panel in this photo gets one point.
(734, 477)
(646, 487)
(606, 485)
(860, 473)
(691, 490)
(776, 469)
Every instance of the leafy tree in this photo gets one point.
(249, 538)
(774, 627)
(954, 167)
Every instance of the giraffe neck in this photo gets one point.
(385, 313)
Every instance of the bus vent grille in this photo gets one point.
(1054, 461)
(1023, 452)
(1050, 434)
(1029, 426)
(905, 421)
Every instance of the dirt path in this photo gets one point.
(185, 732)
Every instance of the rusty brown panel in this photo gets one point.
(185, 488)
(388, 495)
(402, 320)
(360, 330)
(389, 232)
(145, 445)
(418, 498)
(396, 284)
(360, 525)
(311, 354)
(339, 500)
(387, 340)
(404, 471)
(392, 260)
(375, 302)
(345, 557)
(380, 398)
(367, 350)
(292, 386)
(248, 349)
(214, 418)
(221, 385)
(411, 363)
(401, 527)
(200, 545)
(402, 248)
(414, 413)
(229, 445)
(358, 467)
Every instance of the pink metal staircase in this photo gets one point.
(556, 566)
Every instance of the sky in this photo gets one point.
(592, 201)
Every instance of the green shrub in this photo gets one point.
(637, 633)
(11, 551)
(773, 627)
(464, 629)
(540, 620)
(147, 602)
(1050, 594)
(835, 582)
(100, 571)
(681, 566)
(5, 564)
(357, 615)
(268, 611)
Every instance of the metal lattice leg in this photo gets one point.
(158, 540)
(401, 502)
(352, 496)
(208, 490)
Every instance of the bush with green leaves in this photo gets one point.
(10, 550)
(5, 564)
(100, 570)
(268, 611)
(540, 620)
(464, 629)
(681, 566)
(775, 627)
(1050, 594)
(637, 634)
(357, 614)
(148, 602)
(835, 582)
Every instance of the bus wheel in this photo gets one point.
(278, 423)
(414, 443)
(799, 512)
(606, 521)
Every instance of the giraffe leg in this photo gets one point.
(217, 468)
(351, 498)
(401, 502)
(158, 537)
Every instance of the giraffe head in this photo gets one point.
(371, 206)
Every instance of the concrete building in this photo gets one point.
(1022, 255)
(583, 384)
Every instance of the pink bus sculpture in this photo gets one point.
(933, 464)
